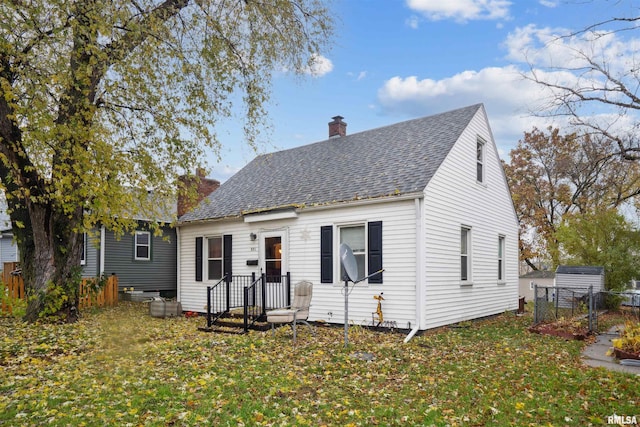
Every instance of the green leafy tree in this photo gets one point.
(602, 238)
(101, 101)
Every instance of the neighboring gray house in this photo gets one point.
(141, 260)
(571, 276)
(425, 199)
(8, 248)
(532, 278)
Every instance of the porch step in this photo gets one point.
(235, 325)
(238, 323)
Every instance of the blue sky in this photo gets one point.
(394, 60)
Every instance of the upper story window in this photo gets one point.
(501, 271)
(354, 236)
(480, 144)
(214, 258)
(465, 254)
(142, 245)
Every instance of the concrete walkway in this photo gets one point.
(596, 354)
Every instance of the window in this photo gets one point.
(501, 259)
(531, 285)
(354, 236)
(480, 160)
(83, 255)
(214, 258)
(143, 245)
(465, 258)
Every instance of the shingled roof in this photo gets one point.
(387, 161)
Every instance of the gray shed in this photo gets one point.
(574, 276)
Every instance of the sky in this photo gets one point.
(395, 60)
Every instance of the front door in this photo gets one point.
(274, 258)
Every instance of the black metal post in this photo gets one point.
(263, 290)
(246, 309)
(288, 288)
(208, 306)
(591, 308)
(535, 305)
(228, 287)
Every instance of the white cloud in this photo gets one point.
(413, 22)
(357, 76)
(549, 3)
(461, 10)
(508, 97)
(319, 66)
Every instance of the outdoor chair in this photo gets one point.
(298, 312)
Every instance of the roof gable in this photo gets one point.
(391, 160)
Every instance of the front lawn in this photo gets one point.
(119, 366)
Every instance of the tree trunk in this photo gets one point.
(50, 259)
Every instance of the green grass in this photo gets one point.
(121, 367)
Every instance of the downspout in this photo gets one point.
(178, 263)
(103, 235)
(419, 266)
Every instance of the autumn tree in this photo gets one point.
(602, 238)
(101, 101)
(551, 175)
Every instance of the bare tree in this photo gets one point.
(592, 77)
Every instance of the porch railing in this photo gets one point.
(255, 294)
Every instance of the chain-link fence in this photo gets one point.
(552, 303)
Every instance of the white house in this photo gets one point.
(425, 199)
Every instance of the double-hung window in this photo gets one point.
(142, 246)
(501, 269)
(465, 254)
(214, 258)
(354, 236)
(480, 160)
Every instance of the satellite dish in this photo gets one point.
(348, 261)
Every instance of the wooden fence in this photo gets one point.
(14, 291)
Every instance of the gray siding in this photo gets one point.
(8, 249)
(157, 274)
(91, 268)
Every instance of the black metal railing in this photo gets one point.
(217, 300)
(255, 294)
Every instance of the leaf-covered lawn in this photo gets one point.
(119, 366)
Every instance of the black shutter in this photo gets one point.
(226, 246)
(375, 250)
(326, 254)
(198, 259)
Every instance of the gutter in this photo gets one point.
(419, 265)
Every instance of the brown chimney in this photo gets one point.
(204, 186)
(337, 127)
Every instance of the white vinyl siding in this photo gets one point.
(303, 259)
(452, 200)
